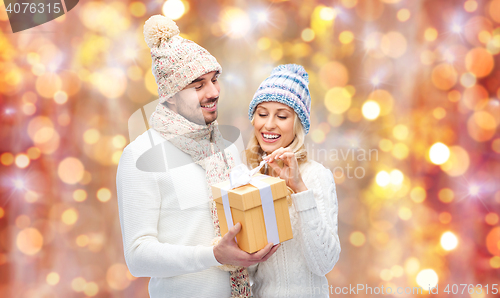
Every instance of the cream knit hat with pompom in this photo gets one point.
(176, 61)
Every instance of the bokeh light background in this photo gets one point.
(405, 111)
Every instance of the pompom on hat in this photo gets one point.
(287, 84)
(176, 61)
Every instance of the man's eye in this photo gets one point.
(198, 87)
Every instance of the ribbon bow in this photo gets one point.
(241, 175)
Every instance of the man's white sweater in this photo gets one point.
(165, 220)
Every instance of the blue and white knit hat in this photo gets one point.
(287, 84)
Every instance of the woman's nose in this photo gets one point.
(270, 123)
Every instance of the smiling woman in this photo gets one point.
(280, 112)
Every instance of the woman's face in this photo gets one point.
(273, 125)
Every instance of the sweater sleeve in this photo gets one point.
(317, 209)
(139, 203)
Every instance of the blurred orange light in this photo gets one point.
(79, 195)
(400, 151)
(69, 217)
(495, 145)
(393, 44)
(403, 15)
(418, 194)
(458, 163)
(29, 241)
(33, 153)
(137, 9)
(357, 238)
(495, 262)
(484, 36)
(7, 158)
(346, 37)
(430, 34)
(405, 213)
(103, 194)
(70, 170)
(481, 126)
(475, 97)
(52, 278)
(491, 218)
(444, 76)
(493, 241)
(78, 284)
(48, 84)
(385, 145)
(494, 10)
(439, 113)
(446, 195)
(337, 100)
(29, 109)
(470, 5)
(307, 35)
(349, 3)
(116, 276)
(82, 240)
(480, 62)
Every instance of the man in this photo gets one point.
(168, 218)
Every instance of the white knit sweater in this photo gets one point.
(298, 267)
(167, 230)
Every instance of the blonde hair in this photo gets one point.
(254, 152)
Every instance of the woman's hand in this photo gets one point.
(290, 170)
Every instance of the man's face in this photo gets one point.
(198, 101)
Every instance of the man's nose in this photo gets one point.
(212, 92)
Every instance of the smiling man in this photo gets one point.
(168, 219)
(198, 101)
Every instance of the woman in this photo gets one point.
(280, 113)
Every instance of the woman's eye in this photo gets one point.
(282, 117)
(262, 115)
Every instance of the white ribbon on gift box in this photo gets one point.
(240, 175)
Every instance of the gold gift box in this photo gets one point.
(246, 208)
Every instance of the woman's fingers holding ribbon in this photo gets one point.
(290, 170)
(276, 153)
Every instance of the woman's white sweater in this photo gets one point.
(298, 267)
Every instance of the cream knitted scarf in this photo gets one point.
(205, 145)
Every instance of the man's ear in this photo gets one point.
(171, 100)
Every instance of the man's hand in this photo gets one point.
(227, 251)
